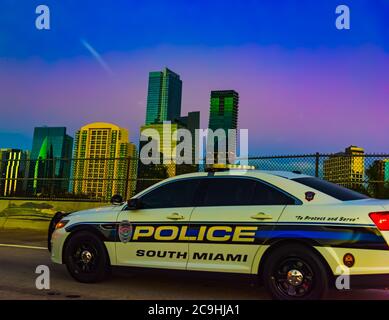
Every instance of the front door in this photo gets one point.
(151, 235)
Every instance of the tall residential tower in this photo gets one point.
(223, 115)
(104, 165)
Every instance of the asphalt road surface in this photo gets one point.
(18, 265)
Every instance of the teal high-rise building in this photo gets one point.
(50, 160)
(223, 115)
(163, 96)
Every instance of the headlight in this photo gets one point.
(61, 224)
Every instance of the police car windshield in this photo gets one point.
(332, 189)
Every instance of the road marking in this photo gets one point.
(21, 246)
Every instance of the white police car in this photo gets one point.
(295, 232)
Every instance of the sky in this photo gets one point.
(304, 85)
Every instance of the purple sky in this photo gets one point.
(291, 100)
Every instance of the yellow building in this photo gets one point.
(103, 165)
(164, 135)
(346, 168)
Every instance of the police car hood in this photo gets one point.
(369, 202)
(100, 210)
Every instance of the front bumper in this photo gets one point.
(56, 218)
(58, 239)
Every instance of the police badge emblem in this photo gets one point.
(309, 195)
(125, 231)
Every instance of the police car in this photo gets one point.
(297, 233)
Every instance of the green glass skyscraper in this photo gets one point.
(223, 115)
(163, 97)
(50, 160)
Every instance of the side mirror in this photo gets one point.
(134, 204)
(117, 199)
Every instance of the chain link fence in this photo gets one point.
(100, 178)
(365, 173)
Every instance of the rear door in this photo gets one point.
(156, 228)
(232, 219)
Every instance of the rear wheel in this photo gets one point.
(86, 258)
(295, 272)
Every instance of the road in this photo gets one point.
(17, 279)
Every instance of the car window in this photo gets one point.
(228, 192)
(332, 189)
(171, 195)
(267, 195)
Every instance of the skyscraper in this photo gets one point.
(50, 160)
(163, 96)
(103, 166)
(165, 139)
(13, 168)
(223, 115)
(191, 122)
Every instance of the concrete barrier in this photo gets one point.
(36, 214)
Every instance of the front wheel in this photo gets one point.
(86, 258)
(295, 272)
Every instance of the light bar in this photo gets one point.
(225, 167)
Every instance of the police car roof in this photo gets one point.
(283, 174)
(286, 174)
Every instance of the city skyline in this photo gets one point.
(304, 85)
(160, 108)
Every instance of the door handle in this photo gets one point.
(175, 216)
(261, 216)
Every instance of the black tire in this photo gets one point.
(86, 258)
(295, 272)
